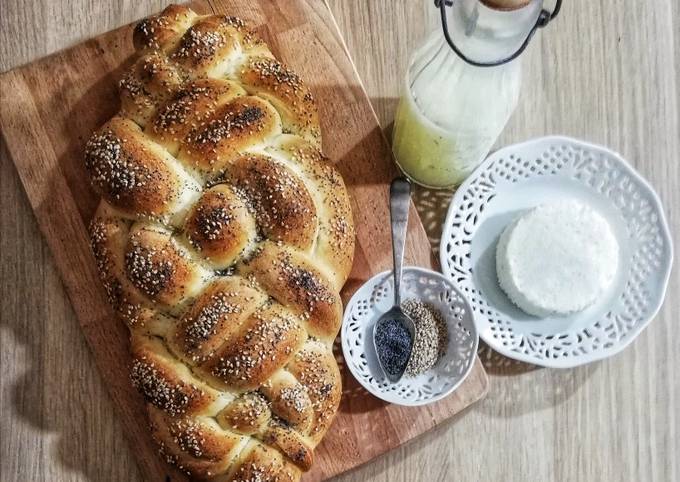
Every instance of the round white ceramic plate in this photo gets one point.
(374, 298)
(525, 175)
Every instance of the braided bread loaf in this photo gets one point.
(223, 238)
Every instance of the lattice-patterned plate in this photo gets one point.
(522, 176)
(373, 299)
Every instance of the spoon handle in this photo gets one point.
(400, 197)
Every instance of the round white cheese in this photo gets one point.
(557, 258)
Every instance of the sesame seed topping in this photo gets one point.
(240, 119)
(156, 388)
(109, 165)
(199, 46)
(178, 99)
(306, 286)
(203, 325)
(261, 344)
(295, 397)
(149, 268)
(275, 71)
(212, 220)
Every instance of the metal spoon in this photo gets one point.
(400, 197)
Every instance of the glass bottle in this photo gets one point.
(451, 111)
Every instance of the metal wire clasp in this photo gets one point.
(544, 18)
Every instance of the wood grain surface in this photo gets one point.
(606, 72)
(51, 107)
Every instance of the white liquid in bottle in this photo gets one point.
(451, 113)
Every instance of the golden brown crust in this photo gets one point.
(271, 80)
(283, 207)
(289, 400)
(248, 414)
(135, 175)
(209, 44)
(159, 268)
(315, 367)
(221, 227)
(197, 445)
(244, 123)
(189, 107)
(291, 444)
(268, 339)
(263, 464)
(222, 239)
(292, 280)
(168, 384)
(215, 318)
(162, 31)
(336, 237)
(151, 81)
(109, 235)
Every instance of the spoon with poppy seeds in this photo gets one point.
(394, 332)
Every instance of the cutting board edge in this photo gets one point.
(441, 424)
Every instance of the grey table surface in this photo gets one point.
(607, 72)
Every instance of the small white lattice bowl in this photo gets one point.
(522, 176)
(373, 299)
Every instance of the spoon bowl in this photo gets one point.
(392, 368)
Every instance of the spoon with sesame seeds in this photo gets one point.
(394, 332)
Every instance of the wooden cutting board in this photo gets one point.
(50, 107)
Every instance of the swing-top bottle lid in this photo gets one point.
(506, 4)
(521, 21)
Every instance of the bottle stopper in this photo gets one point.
(506, 4)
